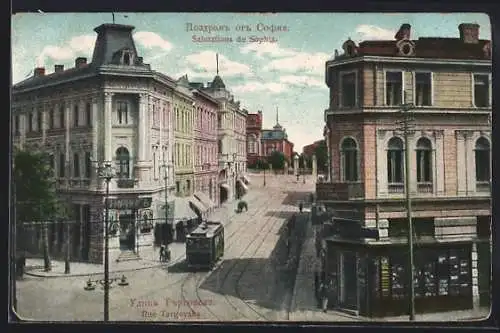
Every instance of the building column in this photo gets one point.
(471, 164)
(108, 125)
(142, 165)
(475, 282)
(96, 154)
(461, 161)
(44, 124)
(439, 163)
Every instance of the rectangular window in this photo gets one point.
(423, 90)
(122, 109)
(88, 114)
(394, 88)
(88, 165)
(481, 90)
(62, 118)
(51, 118)
(348, 97)
(30, 122)
(16, 125)
(177, 187)
(39, 123)
(75, 116)
(62, 165)
(188, 185)
(76, 165)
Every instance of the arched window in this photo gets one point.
(126, 58)
(483, 160)
(349, 156)
(395, 164)
(252, 144)
(123, 158)
(424, 161)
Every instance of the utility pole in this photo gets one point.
(265, 167)
(165, 168)
(67, 268)
(405, 109)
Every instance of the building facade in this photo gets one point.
(231, 141)
(276, 139)
(115, 110)
(309, 150)
(445, 83)
(205, 143)
(254, 129)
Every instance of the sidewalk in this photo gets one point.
(304, 306)
(149, 254)
(149, 258)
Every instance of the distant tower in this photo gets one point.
(277, 118)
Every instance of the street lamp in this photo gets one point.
(165, 177)
(405, 108)
(265, 167)
(303, 169)
(106, 172)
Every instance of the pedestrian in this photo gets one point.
(162, 252)
(324, 296)
(301, 206)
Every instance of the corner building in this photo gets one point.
(448, 81)
(114, 109)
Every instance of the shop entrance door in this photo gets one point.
(349, 279)
(127, 232)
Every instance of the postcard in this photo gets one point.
(257, 167)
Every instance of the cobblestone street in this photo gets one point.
(253, 282)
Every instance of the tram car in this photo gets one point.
(205, 245)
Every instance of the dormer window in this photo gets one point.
(126, 58)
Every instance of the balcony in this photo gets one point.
(339, 191)
(125, 183)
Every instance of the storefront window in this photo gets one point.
(398, 277)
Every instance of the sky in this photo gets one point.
(265, 70)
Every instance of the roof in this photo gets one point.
(67, 74)
(182, 209)
(273, 135)
(207, 228)
(217, 83)
(428, 47)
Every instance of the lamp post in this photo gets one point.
(234, 175)
(67, 268)
(405, 108)
(165, 177)
(303, 169)
(106, 172)
(265, 167)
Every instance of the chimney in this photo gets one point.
(80, 61)
(469, 33)
(404, 32)
(39, 71)
(58, 68)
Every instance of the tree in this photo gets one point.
(36, 199)
(277, 160)
(321, 152)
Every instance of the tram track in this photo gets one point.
(229, 245)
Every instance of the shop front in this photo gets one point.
(372, 280)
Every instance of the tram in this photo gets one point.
(205, 245)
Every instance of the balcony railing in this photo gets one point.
(425, 187)
(125, 183)
(483, 186)
(396, 187)
(339, 191)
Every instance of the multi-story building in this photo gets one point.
(184, 112)
(231, 146)
(309, 150)
(115, 109)
(446, 85)
(276, 139)
(206, 164)
(254, 128)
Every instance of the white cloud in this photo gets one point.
(205, 62)
(79, 45)
(271, 87)
(367, 32)
(271, 49)
(152, 40)
(312, 63)
(302, 80)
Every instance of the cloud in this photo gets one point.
(271, 87)
(270, 49)
(79, 45)
(204, 64)
(366, 32)
(302, 80)
(151, 40)
(311, 63)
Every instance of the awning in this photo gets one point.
(225, 186)
(182, 210)
(205, 199)
(198, 205)
(246, 180)
(242, 183)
